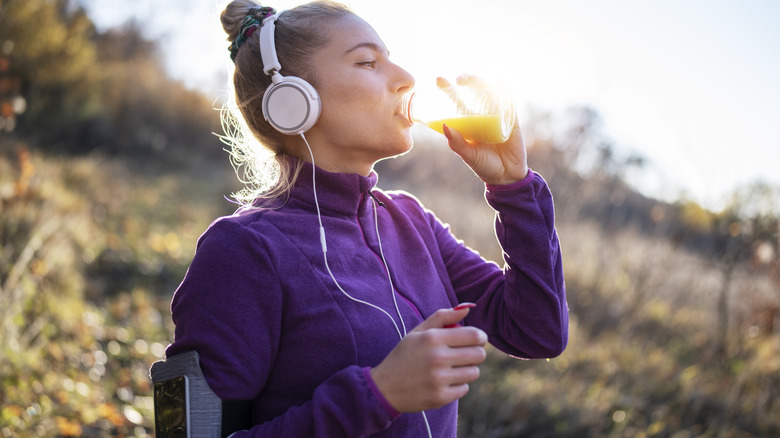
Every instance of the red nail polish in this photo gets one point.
(462, 306)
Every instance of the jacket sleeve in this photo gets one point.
(521, 307)
(229, 309)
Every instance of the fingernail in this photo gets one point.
(446, 132)
(462, 306)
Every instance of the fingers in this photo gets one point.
(462, 374)
(459, 391)
(448, 393)
(433, 364)
(459, 145)
(461, 306)
(472, 80)
(444, 395)
(450, 382)
(443, 83)
(478, 86)
(463, 337)
(445, 317)
(451, 92)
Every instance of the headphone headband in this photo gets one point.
(268, 47)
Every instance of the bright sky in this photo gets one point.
(692, 85)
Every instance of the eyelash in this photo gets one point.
(371, 64)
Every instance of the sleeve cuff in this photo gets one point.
(515, 185)
(378, 394)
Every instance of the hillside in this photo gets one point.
(109, 172)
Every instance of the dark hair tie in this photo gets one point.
(251, 23)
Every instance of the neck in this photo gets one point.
(330, 159)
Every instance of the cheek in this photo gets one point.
(352, 96)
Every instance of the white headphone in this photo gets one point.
(290, 104)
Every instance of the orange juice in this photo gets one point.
(483, 128)
(481, 112)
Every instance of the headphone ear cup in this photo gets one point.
(292, 105)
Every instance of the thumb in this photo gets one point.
(445, 318)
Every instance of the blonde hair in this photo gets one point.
(266, 169)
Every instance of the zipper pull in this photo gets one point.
(371, 194)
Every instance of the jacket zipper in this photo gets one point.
(371, 194)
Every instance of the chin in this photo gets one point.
(408, 140)
(406, 145)
(404, 152)
(398, 150)
(395, 145)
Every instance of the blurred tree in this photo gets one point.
(582, 136)
(11, 101)
(53, 58)
(86, 90)
(751, 221)
(146, 112)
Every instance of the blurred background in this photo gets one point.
(654, 123)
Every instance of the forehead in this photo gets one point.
(349, 33)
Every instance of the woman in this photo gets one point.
(333, 305)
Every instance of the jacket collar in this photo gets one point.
(336, 192)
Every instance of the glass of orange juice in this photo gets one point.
(480, 111)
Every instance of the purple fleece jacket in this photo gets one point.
(270, 325)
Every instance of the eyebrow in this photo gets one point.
(373, 46)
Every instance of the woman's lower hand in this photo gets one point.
(495, 164)
(432, 365)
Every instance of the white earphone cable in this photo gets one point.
(325, 250)
(387, 268)
(381, 252)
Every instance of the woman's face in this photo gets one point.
(361, 92)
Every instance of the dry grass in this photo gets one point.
(91, 254)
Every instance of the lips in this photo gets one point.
(404, 111)
(400, 113)
(406, 105)
(407, 122)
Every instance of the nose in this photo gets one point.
(404, 81)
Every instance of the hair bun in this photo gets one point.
(251, 20)
(233, 16)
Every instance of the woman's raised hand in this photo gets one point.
(432, 365)
(496, 164)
